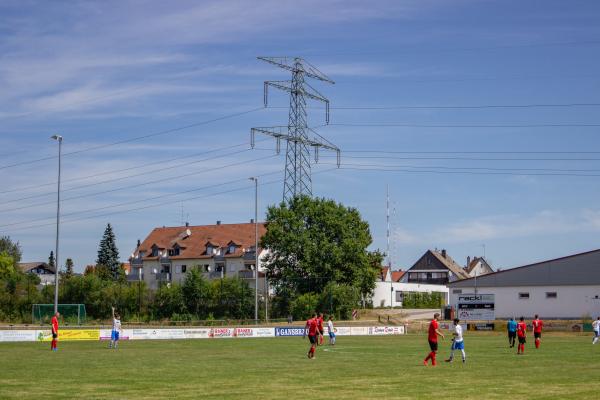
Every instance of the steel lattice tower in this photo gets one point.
(296, 134)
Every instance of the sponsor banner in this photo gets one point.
(476, 314)
(289, 331)
(125, 334)
(244, 332)
(473, 307)
(17, 336)
(340, 331)
(386, 330)
(481, 327)
(196, 333)
(475, 298)
(141, 334)
(264, 332)
(359, 330)
(222, 332)
(70, 334)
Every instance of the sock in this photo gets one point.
(428, 356)
(537, 343)
(433, 358)
(451, 355)
(464, 356)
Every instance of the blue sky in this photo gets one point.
(523, 181)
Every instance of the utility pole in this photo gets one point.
(255, 179)
(298, 179)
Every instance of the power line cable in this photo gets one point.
(467, 158)
(155, 181)
(402, 125)
(133, 139)
(455, 107)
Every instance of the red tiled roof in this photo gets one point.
(397, 275)
(383, 273)
(194, 245)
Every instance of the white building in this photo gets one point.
(40, 269)
(567, 287)
(389, 289)
(221, 250)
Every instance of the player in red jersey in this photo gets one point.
(312, 328)
(320, 327)
(538, 324)
(522, 335)
(432, 337)
(54, 331)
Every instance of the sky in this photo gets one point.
(481, 117)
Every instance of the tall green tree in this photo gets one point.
(108, 254)
(196, 293)
(51, 260)
(314, 242)
(68, 274)
(13, 249)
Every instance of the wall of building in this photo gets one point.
(570, 302)
(386, 291)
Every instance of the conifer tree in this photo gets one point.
(108, 254)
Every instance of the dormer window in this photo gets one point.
(209, 249)
(231, 249)
(155, 251)
(175, 251)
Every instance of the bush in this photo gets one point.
(304, 305)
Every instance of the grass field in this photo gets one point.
(357, 368)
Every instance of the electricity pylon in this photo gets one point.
(296, 134)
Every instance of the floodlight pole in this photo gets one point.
(255, 179)
(56, 264)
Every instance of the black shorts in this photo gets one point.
(54, 335)
(433, 345)
(312, 339)
(522, 340)
(321, 330)
(537, 335)
(512, 335)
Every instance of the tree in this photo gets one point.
(314, 242)
(7, 265)
(196, 293)
(108, 254)
(51, 261)
(68, 274)
(13, 249)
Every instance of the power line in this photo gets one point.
(455, 107)
(402, 125)
(263, 183)
(155, 162)
(471, 152)
(469, 158)
(140, 184)
(565, 170)
(140, 201)
(133, 139)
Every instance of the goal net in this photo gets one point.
(70, 313)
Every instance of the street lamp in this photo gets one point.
(56, 264)
(255, 179)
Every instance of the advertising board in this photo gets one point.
(359, 331)
(70, 334)
(17, 336)
(289, 331)
(222, 332)
(386, 330)
(196, 333)
(125, 334)
(473, 307)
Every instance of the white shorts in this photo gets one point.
(597, 333)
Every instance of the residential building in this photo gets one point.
(390, 289)
(41, 269)
(566, 287)
(478, 266)
(434, 268)
(221, 250)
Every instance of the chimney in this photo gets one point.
(444, 253)
(218, 222)
(468, 261)
(187, 224)
(251, 220)
(138, 244)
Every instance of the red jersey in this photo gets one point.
(538, 324)
(312, 326)
(54, 324)
(433, 326)
(521, 329)
(320, 323)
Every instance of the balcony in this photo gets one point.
(216, 275)
(136, 262)
(247, 274)
(135, 276)
(163, 277)
(429, 281)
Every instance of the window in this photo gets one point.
(206, 268)
(456, 291)
(154, 252)
(428, 261)
(524, 296)
(551, 295)
(174, 251)
(183, 269)
(399, 296)
(209, 250)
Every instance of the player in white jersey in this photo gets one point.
(457, 342)
(116, 330)
(331, 330)
(596, 327)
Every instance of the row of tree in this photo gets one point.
(318, 260)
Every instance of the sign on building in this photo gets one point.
(476, 307)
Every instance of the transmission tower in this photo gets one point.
(296, 134)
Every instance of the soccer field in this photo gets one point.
(277, 368)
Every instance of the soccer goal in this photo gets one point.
(70, 313)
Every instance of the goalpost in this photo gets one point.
(71, 313)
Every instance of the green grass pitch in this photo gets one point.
(566, 366)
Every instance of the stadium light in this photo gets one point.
(255, 179)
(59, 139)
